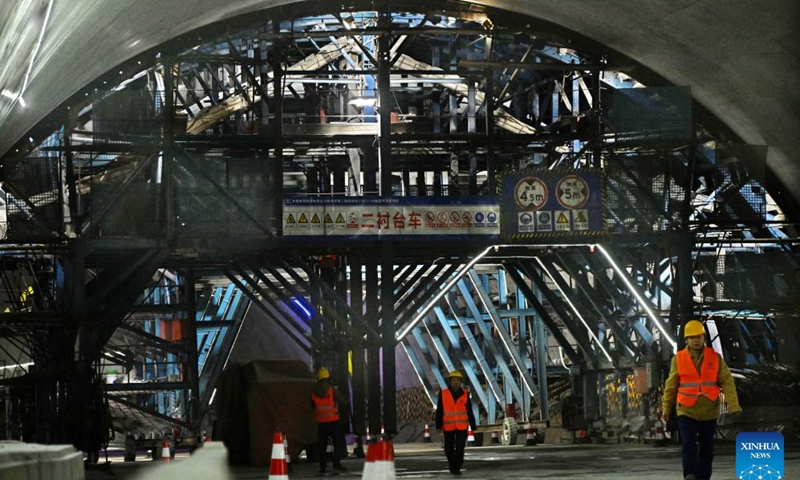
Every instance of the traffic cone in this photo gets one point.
(659, 433)
(286, 453)
(530, 437)
(426, 434)
(495, 439)
(165, 455)
(470, 438)
(278, 469)
(380, 462)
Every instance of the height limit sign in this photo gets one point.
(545, 202)
(572, 192)
(530, 193)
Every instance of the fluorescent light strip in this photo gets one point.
(21, 365)
(575, 310)
(642, 301)
(36, 48)
(400, 335)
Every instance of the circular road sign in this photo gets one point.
(572, 192)
(530, 193)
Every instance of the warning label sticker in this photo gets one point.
(563, 223)
(580, 219)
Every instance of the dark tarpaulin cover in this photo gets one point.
(257, 397)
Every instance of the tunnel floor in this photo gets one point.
(644, 462)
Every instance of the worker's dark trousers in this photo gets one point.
(454, 443)
(698, 445)
(329, 430)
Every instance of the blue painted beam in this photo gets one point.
(508, 342)
(477, 352)
(509, 379)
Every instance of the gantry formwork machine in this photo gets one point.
(140, 234)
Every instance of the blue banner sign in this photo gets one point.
(362, 217)
(538, 203)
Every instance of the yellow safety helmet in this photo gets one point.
(693, 328)
(456, 374)
(323, 373)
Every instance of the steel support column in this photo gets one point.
(385, 102)
(682, 307)
(277, 126)
(167, 155)
(359, 382)
(373, 345)
(193, 395)
(388, 341)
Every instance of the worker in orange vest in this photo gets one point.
(696, 377)
(454, 417)
(326, 401)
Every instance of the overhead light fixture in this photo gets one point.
(421, 314)
(14, 96)
(363, 102)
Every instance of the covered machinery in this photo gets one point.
(258, 397)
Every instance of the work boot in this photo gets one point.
(339, 467)
(691, 476)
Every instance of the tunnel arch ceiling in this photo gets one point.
(737, 57)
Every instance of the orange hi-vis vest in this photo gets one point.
(325, 408)
(693, 384)
(454, 416)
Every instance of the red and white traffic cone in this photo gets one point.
(286, 453)
(530, 437)
(380, 462)
(426, 434)
(470, 438)
(165, 455)
(660, 433)
(278, 468)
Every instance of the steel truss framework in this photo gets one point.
(117, 252)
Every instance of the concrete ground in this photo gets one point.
(599, 462)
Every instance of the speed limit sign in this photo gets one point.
(530, 193)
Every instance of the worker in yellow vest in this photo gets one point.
(326, 401)
(454, 417)
(695, 379)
